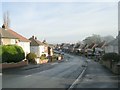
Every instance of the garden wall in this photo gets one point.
(13, 65)
(113, 67)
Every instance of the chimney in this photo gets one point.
(35, 38)
(3, 26)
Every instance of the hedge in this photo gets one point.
(11, 53)
(111, 56)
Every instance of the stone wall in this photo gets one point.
(111, 66)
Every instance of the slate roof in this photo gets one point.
(35, 42)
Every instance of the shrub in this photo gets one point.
(31, 57)
(12, 53)
(54, 58)
(43, 56)
(111, 56)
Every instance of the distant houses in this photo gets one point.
(8, 36)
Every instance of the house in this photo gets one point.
(112, 46)
(100, 47)
(8, 36)
(48, 48)
(39, 47)
(90, 49)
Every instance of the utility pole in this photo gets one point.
(119, 28)
(119, 42)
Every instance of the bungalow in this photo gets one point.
(8, 36)
(112, 46)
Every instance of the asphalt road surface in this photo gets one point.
(60, 75)
(97, 76)
(52, 75)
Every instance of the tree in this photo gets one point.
(92, 39)
(107, 38)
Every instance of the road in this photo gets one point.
(61, 75)
(98, 76)
(53, 75)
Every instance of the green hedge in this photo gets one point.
(11, 53)
(111, 56)
(31, 57)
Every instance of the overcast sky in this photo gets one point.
(62, 21)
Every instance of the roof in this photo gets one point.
(5, 34)
(90, 46)
(100, 45)
(12, 35)
(35, 42)
(20, 37)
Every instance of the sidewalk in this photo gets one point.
(97, 76)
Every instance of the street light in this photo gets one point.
(119, 27)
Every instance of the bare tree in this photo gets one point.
(6, 19)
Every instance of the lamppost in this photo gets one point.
(118, 65)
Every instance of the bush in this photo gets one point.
(31, 57)
(43, 56)
(54, 58)
(11, 53)
(111, 56)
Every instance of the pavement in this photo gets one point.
(97, 76)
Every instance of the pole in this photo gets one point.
(118, 43)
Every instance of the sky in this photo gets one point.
(58, 22)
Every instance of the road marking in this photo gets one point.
(54, 63)
(28, 75)
(77, 80)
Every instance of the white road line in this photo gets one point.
(54, 63)
(77, 80)
(0, 74)
(28, 75)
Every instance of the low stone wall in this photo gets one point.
(111, 66)
(13, 65)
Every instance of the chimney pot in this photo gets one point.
(3, 26)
